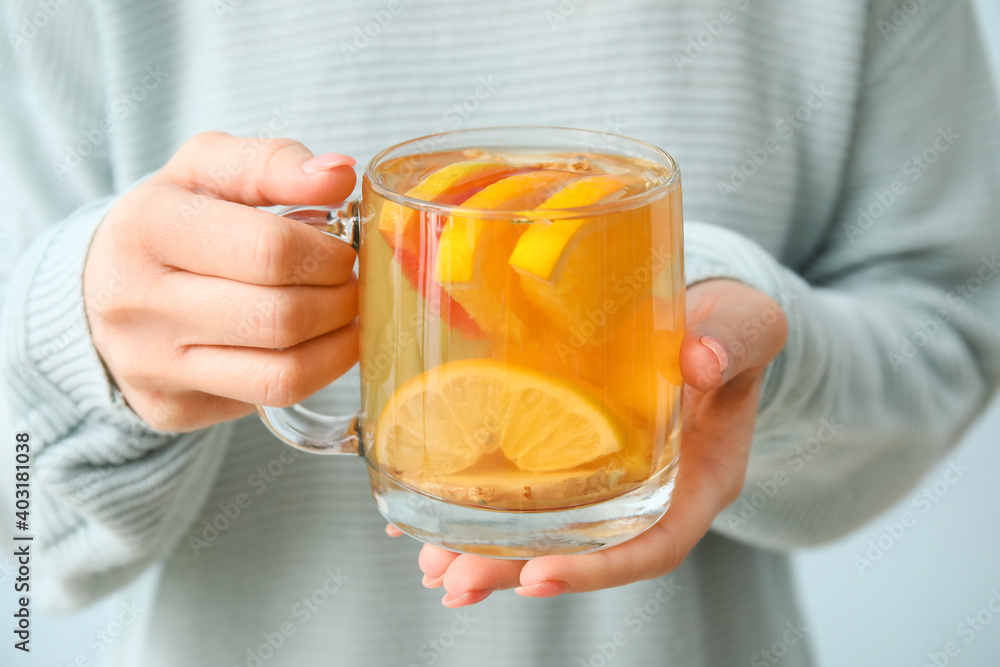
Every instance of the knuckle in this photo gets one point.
(266, 152)
(283, 383)
(280, 322)
(190, 151)
(161, 413)
(203, 140)
(270, 253)
(272, 148)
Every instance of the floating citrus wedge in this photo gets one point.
(584, 273)
(452, 184)
(413, 235)
(546, 245)
(445, 420)
(472, 254)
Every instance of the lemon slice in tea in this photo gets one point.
(443, 421)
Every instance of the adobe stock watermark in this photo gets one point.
(759, 324)
(458, 113)
(923, 502)
(225, 7)
(967, 630)
(230, 511)
(794, 632)
(900, 15)
(600, 142)
(928, 328)
(249, 148)
(742, 512)
(32, 25)
(634, 622)
(302, 612)
(121, 108)
(433, 649)
(785, 128)
(624, 290)
(364, 34)
(913, 170)
(562, 12)
(714, 28)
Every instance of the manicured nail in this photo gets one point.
(472, 597)
(546, 589)
(432, 583)
(719, 351)
(327, 161)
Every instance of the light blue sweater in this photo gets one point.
(840, 156)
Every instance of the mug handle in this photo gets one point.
(299, 426)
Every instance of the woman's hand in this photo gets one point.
(201, 305)
(734, 333)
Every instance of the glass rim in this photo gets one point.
(632, 201)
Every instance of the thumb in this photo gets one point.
(735, 328)
(259, 172)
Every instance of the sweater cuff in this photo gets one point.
(715, 252)
(57, 374)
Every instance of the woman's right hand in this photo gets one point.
(201, 305)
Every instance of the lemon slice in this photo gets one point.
(445, 420)
(542, 247)
(400, 225)
(472, 253)
(584, 273)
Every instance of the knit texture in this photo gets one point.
(838, 156)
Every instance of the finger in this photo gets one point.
(185, 412)
(277, 378)
(258, 172)
(742, 329)
(701, 492)
(214, 311)
(434, 564)
(392, 531)
(226, 240)
(470, 573)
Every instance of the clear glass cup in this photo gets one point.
(521, 314)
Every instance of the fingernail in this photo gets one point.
(327, 161)
(546, 589)
(432, 583)
(719, 351)
(472, 597)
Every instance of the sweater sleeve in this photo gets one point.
(109, 495)
(894, 341)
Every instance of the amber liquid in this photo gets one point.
(607, 322)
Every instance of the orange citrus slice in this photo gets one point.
(443, 421)
(472, 254)
(584, 273)
(400, 225)
(543, 246)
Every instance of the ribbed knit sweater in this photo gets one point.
(839, 156)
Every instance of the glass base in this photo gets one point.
(526, 534)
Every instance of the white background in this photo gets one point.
(907, 605)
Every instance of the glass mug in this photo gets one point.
(521, 312)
